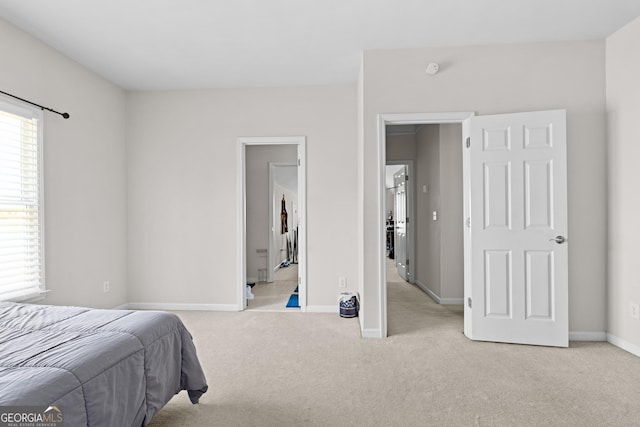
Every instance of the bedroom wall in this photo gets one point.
(84, 170)
(500, 79)
(623, 110)
(182, 170)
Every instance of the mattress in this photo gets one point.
(99, 367)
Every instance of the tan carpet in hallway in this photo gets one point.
(274, 296)
(291, 369)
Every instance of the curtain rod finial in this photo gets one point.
(65, 115)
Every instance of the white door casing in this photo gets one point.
(383, 121)
(517, 232)
(400, 219)
(300, 143)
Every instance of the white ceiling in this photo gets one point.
(188, 44)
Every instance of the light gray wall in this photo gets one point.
(84, 170)
(499, 79)
(623, 111)
(183, 166)
(428, 232)
(451, 213)
(439, 245)
(401, 147)
(257, 183)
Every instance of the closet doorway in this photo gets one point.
(272, 232)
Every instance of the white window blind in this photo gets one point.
(21, 203)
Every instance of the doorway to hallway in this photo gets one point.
(424, 194)
(264, 233)
(514, 179)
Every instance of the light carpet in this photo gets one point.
(274, 296)
(304, 369)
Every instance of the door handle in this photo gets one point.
(558, 239)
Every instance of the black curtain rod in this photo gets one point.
(65, 115)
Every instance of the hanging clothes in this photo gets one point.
(283, 217)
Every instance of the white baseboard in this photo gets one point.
(587, 336)
(625, 345)
(451, 301)
(122, 307)
(322, 309)
(436, 298)
(427, 291)
(371, 333)
(252, 280)
(180, 307)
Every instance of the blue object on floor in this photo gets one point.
(293, 300)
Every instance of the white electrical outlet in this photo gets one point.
(106, 286)
(635, 311)
(342, 282)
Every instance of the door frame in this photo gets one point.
(241, 193)
(413, 119)
(410, 191)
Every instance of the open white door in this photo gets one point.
(517, 229)
(401, 215)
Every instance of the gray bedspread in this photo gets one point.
(101, 367)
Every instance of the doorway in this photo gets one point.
(433, 190)
(406, 121)
(400, 216)
(515, 251)
(257, 256)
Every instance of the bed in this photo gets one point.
(100, 367)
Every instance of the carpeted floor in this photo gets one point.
(274, 296)
(304, 369)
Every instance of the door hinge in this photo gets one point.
(469, 302)
(406, 220)
(298, 162)
(468, 222)
(406, 177)
(407, 262)
(468, 142)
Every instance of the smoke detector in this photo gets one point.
(432, 68)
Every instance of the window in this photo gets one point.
(21, 203)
